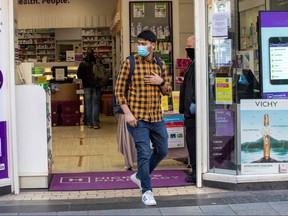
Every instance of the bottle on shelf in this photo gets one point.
(251, 29)
(166, 31)
(132, 30)
(160, 46)
(139, 28)
(160, 32)
(153, 29)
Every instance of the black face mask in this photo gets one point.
(191, 53)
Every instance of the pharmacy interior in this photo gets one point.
(247, 94)
(50, 41)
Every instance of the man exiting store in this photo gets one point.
(140, 100)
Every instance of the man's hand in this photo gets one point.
(153, 79)
(130, 119)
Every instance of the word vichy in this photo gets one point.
(266, 103)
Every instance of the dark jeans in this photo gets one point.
(190, 125)
(142, 134)
(92, 102)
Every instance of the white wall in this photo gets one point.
(76, 13)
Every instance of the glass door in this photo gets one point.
(156, 16)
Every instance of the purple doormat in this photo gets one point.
(113, 180)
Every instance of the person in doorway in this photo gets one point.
(141, 104)
(92, 93)
(188, 107)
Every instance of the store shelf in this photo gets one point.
(40, 39)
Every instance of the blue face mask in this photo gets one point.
(143, 51)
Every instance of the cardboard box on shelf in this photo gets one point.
(65, 91)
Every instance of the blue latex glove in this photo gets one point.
(192, 108)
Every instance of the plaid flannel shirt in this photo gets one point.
(143, 100)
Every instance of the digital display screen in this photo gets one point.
(273, 46)
(278, 50)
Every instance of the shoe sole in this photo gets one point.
(151, 204)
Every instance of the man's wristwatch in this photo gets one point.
(162, 83)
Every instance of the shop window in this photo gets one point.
(233, 75)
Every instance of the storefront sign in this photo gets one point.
(175, 129)
(264, 138)
(274, 54)
(3, 151)
(38, 2)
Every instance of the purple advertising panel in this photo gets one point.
(1, 79)
(3, 151)
(274, 54)
(224, 122)
(222, 138)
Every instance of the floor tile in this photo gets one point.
(217, 210)
(280, 207)
(147, 211)
(76, 213)
(122, 212)
(187, 210)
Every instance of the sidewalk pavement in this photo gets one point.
(269, 202)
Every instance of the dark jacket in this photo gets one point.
(187, 91)
(85, 72)
(93, 74)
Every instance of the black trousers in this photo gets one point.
(190, 125)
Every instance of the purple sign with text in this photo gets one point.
(3, 151)
(1, 79)
(224, 122)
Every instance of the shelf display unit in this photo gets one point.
(27, 44)
(156, 16)
(100, 40)
(36, 44)
(45, 44)
(249, 36)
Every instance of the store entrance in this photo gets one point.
(81, 149)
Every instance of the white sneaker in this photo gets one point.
(148, 198)
(136, 180)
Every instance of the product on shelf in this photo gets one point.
(37, 44)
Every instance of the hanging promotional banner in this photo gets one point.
(264, 137)
(274, 54)
(3, 151)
